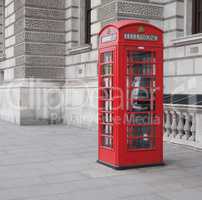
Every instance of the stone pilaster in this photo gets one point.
(1, 29)
(34, 61)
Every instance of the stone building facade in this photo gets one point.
(48, 67)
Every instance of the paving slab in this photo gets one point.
(59, 163)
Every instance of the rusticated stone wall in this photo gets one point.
(44, 39)
(81, 60)
(34, 61)
(1, 29)
(34, 38)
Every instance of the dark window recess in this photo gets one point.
(87, 21)
(197, 16)
(185, 99)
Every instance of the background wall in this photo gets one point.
(81, 60)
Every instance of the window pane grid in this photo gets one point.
(140, 85)
(107, 99)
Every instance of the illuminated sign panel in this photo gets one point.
(108, 38)
(134, 36)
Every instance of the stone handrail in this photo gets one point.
(180, 124)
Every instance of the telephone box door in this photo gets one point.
(143, 106)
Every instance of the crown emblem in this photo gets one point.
(141, 29)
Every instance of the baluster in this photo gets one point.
(164, 122)
(174, 124)
(187, 126)
(193, 127)
(180, 126)
(168, 123)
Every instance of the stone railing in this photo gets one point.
(180, 125)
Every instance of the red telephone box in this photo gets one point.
(130, 95)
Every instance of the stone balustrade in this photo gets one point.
(182, 124)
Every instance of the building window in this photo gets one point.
(1, 76)
(87, 21)
(2, 31)
(197, 16)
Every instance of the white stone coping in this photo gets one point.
(197, 108)
(80, 49)
(187, 40)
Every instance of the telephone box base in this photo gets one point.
(130, 167)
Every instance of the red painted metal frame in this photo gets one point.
(119, 155)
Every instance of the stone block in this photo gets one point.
(198, 65)
(94, 15)
(107, 11)
(95, 28)
(94, 55)
(20, 60)
(70, 72)
(185, 67)
(44, 73)
(19, 4)
(58, 4)
(20, 37)
(169, 68)
(20, 13)
(20, 49)
(8, 74)
(45, 13)
(179, 52)
(45, 49)
(91, 70)
(193, 50)
(9, 9)
(174, 52)
(8, 63)
(19, 72)
(72, 36)
(169, 37)
(94, 41)
(9, 52)
(72, 24)
(19, 25)
(10, 20)
(72, 3)
(135, 9)
(44, 37)
(8, 2)
(72, 12)
(96, 3)
(170, 9)
(45, 60)
(44, 25)
(9, 31)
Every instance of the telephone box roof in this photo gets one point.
(123, 23)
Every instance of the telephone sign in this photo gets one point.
(130, 90)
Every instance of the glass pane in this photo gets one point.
(140, 118)
(107, 82)
(138, 81)
(107, 129)
(107, 57)
(141, 143)
(107, 69)
(107, 99)
(107, 118)
(140, 131)
(107, 141)
(107, 106)
(140, 56)
(107, 93)
(141, 87)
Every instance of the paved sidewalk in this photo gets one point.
(58, 163)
